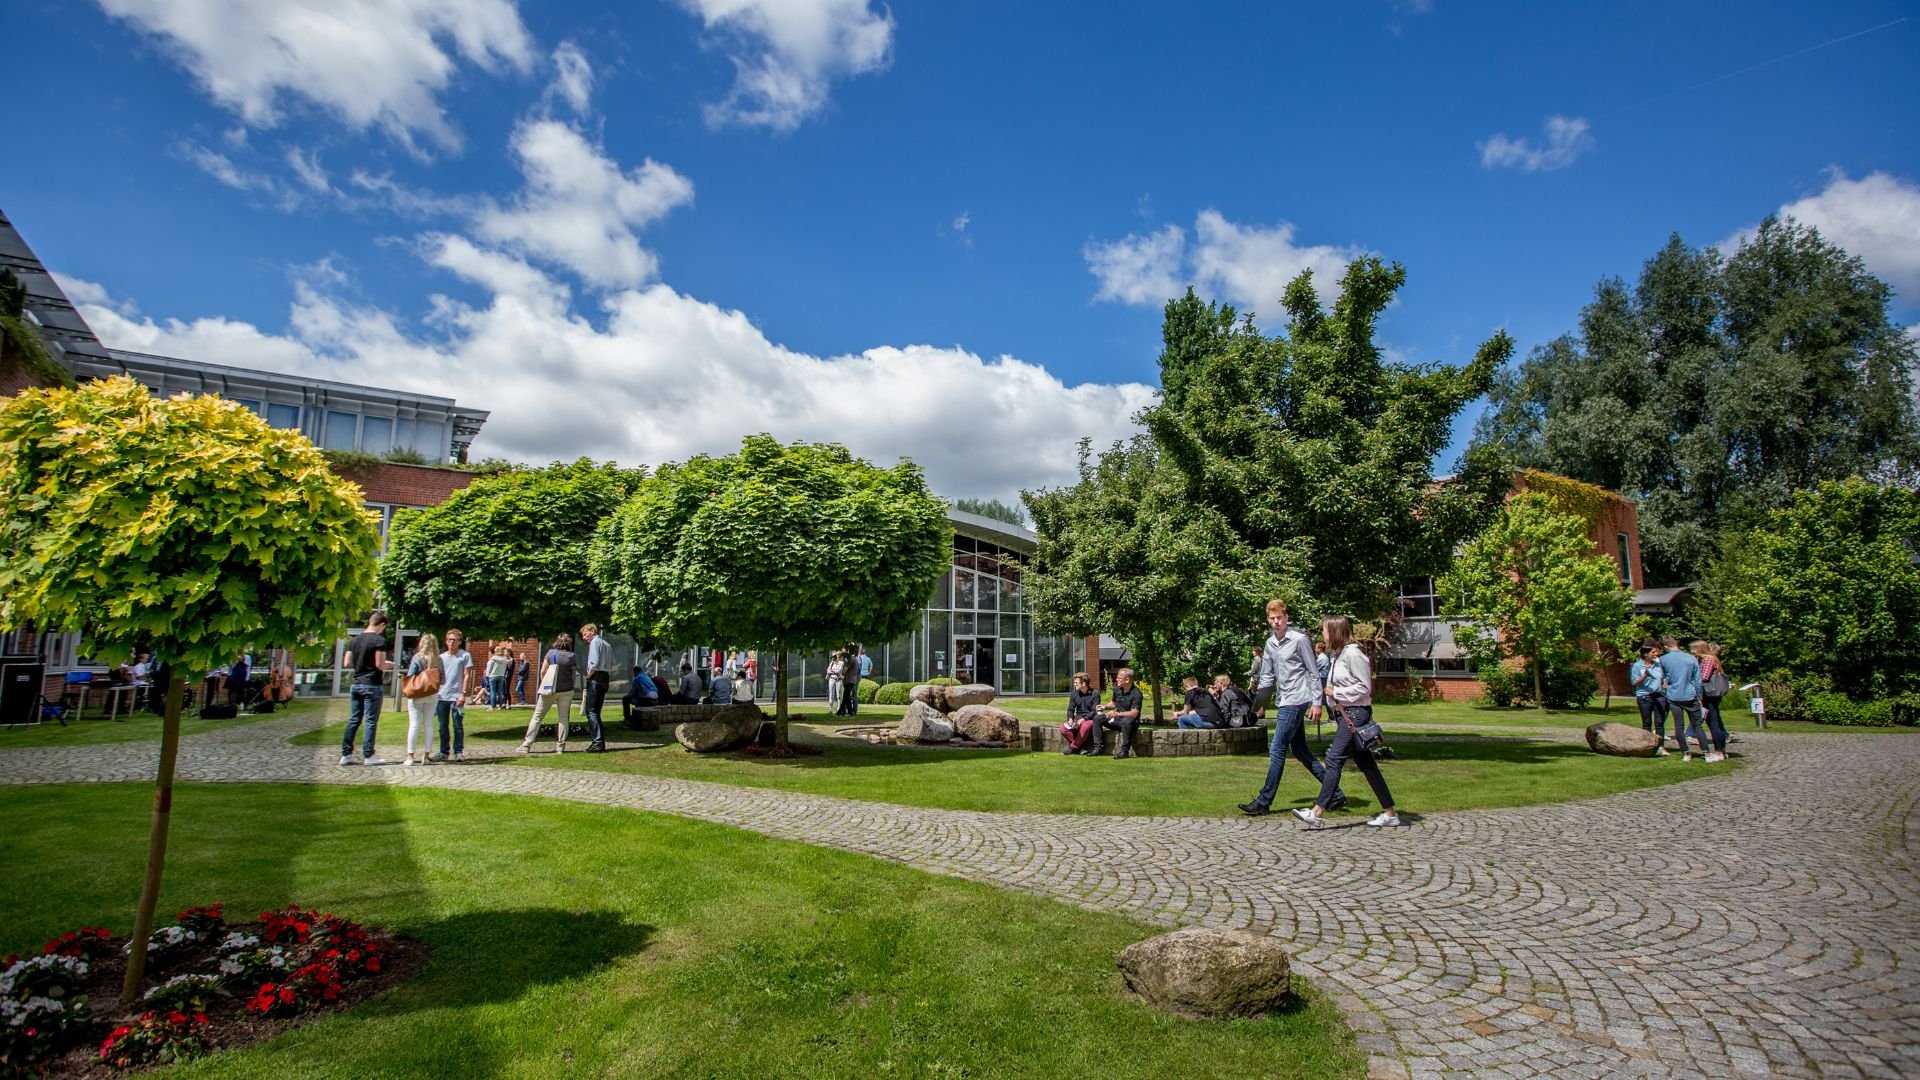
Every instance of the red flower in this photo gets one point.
(373, 963)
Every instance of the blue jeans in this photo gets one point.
(497, 691)
(364, 708)
(444, 710)
(1194, 720)
(1289, 736)
(1696, 727)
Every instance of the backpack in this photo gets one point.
(1237, 707)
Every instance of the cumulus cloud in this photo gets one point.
(579, 208)
(786, 54)
(370, 63)
(1567, 137)
(666, 376)
(1248, 265)
(1876, 217)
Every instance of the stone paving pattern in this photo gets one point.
(1759, 923)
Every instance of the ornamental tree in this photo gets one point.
(507, 553)
(781, 547)
(1531, 586)
(1824, 593)
(188, 525)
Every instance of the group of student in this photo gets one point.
(1288, 675)
(1684, 683)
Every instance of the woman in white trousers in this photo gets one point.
(420, 710)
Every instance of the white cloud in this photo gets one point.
(667, 376)
(572, 77)
(579, 209)
(786, 54)
(240, 178)
(306, 166)
(1567, 137)
(1248, 265)
(959, 228)
(371, 63)
(1876, 217)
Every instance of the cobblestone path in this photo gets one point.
(1746, 924)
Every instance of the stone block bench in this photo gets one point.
(1166, 741)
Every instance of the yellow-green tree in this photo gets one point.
(187, 525)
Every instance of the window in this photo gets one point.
(342, 431)
(963, 590)
(254, 405)
(386, 522)
(1626, 562)
(376, 434)
(1417, 599)
(284, 416)
(404, 435)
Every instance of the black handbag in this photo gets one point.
(1368, 734)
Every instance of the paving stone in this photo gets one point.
(1575, 940)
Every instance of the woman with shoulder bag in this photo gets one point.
(1350, 693)
(556, 689)
(421, 688)
(1713, 686)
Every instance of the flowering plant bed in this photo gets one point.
(212, 985)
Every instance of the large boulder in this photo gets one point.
(1622, 741)
(984, 723)
(959, 697)
(929, 695)
(923, 723)
(725, 728)
(1200, 973)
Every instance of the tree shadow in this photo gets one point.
(481, 957)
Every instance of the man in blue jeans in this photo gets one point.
(367, 652)
(1289, 678)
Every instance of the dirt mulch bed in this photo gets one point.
(230, 1026)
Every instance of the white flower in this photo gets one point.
(236, 941)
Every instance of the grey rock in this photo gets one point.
(923, 723)
(1200, 973)
(959, 697)
(726, 727)
(1622, 741)
(984, 723)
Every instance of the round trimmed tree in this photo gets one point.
(507, 554)
(786, 548)
(187, 525)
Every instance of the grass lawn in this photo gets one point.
(583, 940)
(132, 727)
(1441, 772)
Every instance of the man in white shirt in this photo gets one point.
(1288, 677)
(599, 676)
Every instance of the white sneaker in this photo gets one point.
(1660, 752)
(375, 760)
(348, 759)
(459, 757)
(408, 763)
(525, 749)
(1716, 756)
(1385, 821)
(1308, 818)
(1685, 756)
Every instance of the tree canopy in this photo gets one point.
(992, 508)
(1716, 387)
(1530, 586)
(507, 554)
(1824, 593)
(786, 547)
(187, 524)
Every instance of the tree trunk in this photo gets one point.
(780, 700)
(1539, 691)
(156, 839)
(1153, 678)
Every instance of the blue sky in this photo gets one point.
(941, 231)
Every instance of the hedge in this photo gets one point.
(894, 693)
(868, 688)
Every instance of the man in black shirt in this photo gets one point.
(367, 653)
(1202, 710)
(1122, 715)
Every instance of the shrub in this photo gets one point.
(186, 993)
(203, 920)
(943, 681)
(894, 693)
(308, 988)
(1832, 707)
(246, 962)
(33, 1027)
(1501, 684)
(88, 943)
(156, 1039)
(868, 688)
(43, 976)
(1564, 686)
(168, 944)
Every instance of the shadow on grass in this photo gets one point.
(492, 956)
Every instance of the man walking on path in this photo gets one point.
(1290, 678)
(599, 659)
(367, 652)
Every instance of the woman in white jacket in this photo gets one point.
(1350, 691)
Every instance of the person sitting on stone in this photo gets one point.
(1122, 714)
(641, 694)
(1201, 711)
(689, 690)
(742, 685)
(1235, 706)
(719, 689)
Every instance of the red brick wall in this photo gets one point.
(15, 379)
(407, 485)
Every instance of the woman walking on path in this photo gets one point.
(556, 689)
(1350, 689)
(499, 666)
(1645, 675)
(1711, 691)
(454, 663)
(426, 651)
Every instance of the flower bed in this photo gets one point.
(211, 986)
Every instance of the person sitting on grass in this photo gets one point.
(1350, 695)
(1202, 710)
(1122, 714)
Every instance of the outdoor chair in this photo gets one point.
(74, 694)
